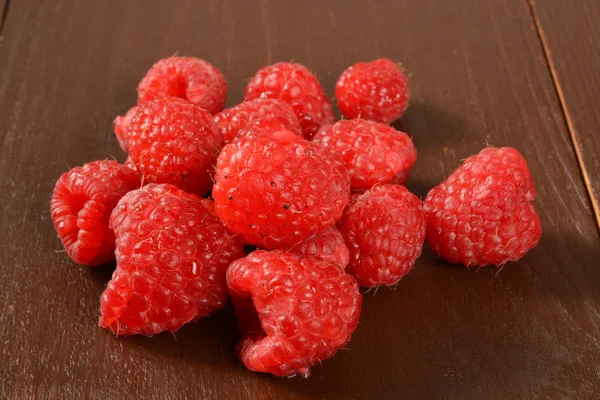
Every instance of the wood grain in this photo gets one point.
(478, 75)
(570, 33)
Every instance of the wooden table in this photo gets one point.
(506, 72)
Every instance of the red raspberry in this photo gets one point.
(189, 78)
(328, 246)
(293, 312)
(384, 229)
(278, 189)
(172, 254)
(377, 91)
(298, 87)
(173, 141)
(122, 128)
(372, 152)
(482, 214)
(271, 112)
(81, 204)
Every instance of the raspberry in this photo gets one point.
(384, 229)
(189, 78)
(296, 86)
(271, 112)
(328, 246)
(372, 152)
(377, 91)
(81, 204)
(277, 189)
(173, 141)
(482, 214)
(293, 312)
(122, 128)
(172, 253)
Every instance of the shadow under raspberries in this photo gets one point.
(211, 340)
(102, 273)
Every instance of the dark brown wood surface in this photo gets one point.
(479, 74)
(570, 31)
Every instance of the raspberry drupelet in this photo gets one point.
(81, 204)
(130, 164)
(483, 213)
(121, 125)
(172, 254)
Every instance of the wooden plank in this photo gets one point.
(478, 74)
(570, 34)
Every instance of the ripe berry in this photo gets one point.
(377, 91)
(296, 86)
(482, 214)
(172, 253)
(277, 189)
(81, 204)
(189, 78)
(328, 246)
(293, 312)
(384, 229)
(173, 141)
(273, 114)
(372, 152)
(122, 128)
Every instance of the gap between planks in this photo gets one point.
(565, 111)
(3, 14)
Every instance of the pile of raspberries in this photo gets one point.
(321, 204)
